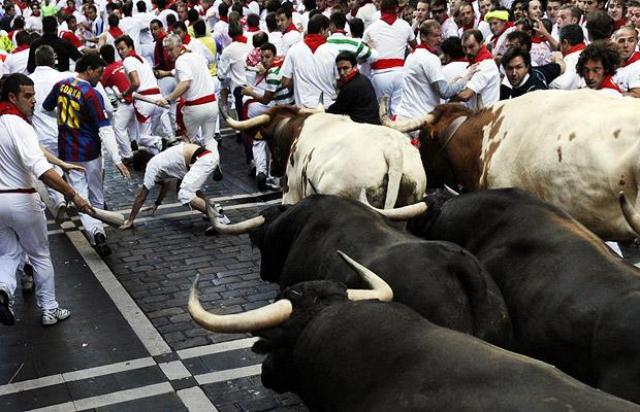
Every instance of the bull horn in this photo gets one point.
(245, 124)
(107, 216)
(404, 126)
(379, 288)
(233, 229)
(451, 191)
(253, 320)
(398, 213)
(630, 214)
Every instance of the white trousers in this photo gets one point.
(23, 228)
(166, 86)
(260, 148)
(89, 186)
(56, 197)
(197, 174)
(200, 122)
(388, 83)
(155, 116)
(124, 121)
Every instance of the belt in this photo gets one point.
(387, 64)
(201, 100)
(29, 190)
(198, 154)
(149, 92)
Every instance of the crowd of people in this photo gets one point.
(142, 82)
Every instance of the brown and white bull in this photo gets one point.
(330, 154)
(579, 150)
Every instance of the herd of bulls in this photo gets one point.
(502, 301)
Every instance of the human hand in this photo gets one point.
(123, 170)
(162, 102)
(67, 167)
(81, 204)
(128, 224)
(246, 90)
(151, 209)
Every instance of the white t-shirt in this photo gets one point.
(275, 38)
(486, 84)
(17, 62)
(192, 66)
(367, 14)
(389, 40)
(162, 16)
(232, 67)
(449, 28)
(45, 122)
(418, 97)
(34, 23)
(628, 77)
(20, 156)
(132, 27)
(144, 70)
(197, 47)
(484, 28)
(167, 164)
(569, 80)
(313, 74)
(289, 39)
(221, 33)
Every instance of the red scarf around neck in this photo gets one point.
(135, 55)
(495, 37)
(224, 19)
(573, 49)
(619, 23)
(277, 62)
(346, 79)
(292, 27)
(115, 32)
(10, 108)
(483, 54)
(239, 38)
(314, 41)
(607, 83)
(389, 18)
(538, 39)
(426, 47)
(187, 39)
(632, 59)
(251, 29)
(20, 48)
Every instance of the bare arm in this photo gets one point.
(51, 158)
(264, 99)
(141, 196)
(134, 81)
(54, 181)
(464, 95)
(180, 89)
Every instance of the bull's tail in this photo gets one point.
(393, 157)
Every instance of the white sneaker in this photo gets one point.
(51, 317)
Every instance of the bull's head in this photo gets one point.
(279, 127)
(435, 201)
(280, 323)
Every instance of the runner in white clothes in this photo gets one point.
(46, 125)
(23, 225)
(187, 162)
(142, 81)
(390, 36)
(197, 88)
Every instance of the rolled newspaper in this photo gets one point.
(107, 216)
(148, 100)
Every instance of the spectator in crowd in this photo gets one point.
(521, 78)
(597, 65)
(628, 75)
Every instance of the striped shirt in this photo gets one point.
(339, 42)
(281, 95)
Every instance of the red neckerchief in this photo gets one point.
(634, 58)
(314, 41)
(607, 83)
(224, 19)
(277, 62)
(161, 35)
(483, 54)
(495, 37)
(135, 55)
(336, 31)
(354, 12)
(10, 108)
(68, 10)
(426, 47)
(187, 39)
(573, 49)
(239, 38)
(389, 18)
(251, 29)
(346, 79)
(468, 26)
(619, 23)
(538, 39)
(20, 48)
(292, 27)
(115, 32)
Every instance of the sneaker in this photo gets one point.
(217, 174)
(7, 315)
(261, 181)
(27, 279)
(51, 317)
(60, 214)
(101, 245)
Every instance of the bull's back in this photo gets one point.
(575, 161)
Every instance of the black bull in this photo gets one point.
(440, 280)
(572, 302)
(371, 356)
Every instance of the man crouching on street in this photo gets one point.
(188, 162)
